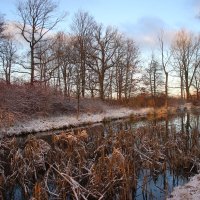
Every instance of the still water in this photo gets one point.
(115, 160)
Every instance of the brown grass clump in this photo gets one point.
(82, 135)
(7, 118)
(35, 151)
(39, 193)
(21, 102)
(95, 165)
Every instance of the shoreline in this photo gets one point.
(190, 190)
(71, 121)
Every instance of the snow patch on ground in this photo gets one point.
(190, 191)
(45, 124)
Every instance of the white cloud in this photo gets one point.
(12, 30)
(146, 31)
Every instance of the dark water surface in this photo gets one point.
(147, 179)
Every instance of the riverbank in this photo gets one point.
(191, 190)
(43, 124)
(67, 121)
(188, 191)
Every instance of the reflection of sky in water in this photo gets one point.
(16, 193)
(193, 120)
(158, 185)
(161, 185)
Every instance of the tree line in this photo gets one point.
(94, 60)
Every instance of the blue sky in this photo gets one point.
(118, 12)
(140, 19)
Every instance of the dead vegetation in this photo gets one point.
(95, 165)
(19, 102)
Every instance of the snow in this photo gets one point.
(50, 123)
(191, 190)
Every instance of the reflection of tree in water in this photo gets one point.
(112, 161)
(190, 127)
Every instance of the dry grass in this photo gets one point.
(24, 102)
(94, 165)
(143, 100)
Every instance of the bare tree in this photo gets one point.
(131, 61)
(2, 26)
(64, 49)
(165, 59)
(102, 52)
(76, 71)
(186, 50)
(118, 70)
(196, 82)
(126, 61)
(8, 56)
(36, 21)
(152, 78)
(44, 61)
(82, 28)
(92, 82)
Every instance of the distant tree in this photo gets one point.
(82, 28)
(153, 78)
(64, 53)
(8, 56)
(126, 62)
(130, 61)
(165, 59)
(186, 51)
(2, 26)
(196, 82)
(36, 21)
(102, 50)
(44, 57)
(92, 80)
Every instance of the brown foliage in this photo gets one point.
(145, 100)
(39, 192)
(93, 165)
(25, 101)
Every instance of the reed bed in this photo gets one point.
(95, 164)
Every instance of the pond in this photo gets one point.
(115, 160)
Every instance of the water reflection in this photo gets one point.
(117, 160)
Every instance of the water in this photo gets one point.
(158, 155)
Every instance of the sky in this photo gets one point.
(140, 19)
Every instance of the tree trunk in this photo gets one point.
(83, 77)
(64, 75)
(187, 86)
(166, 89)
(181, 76)
(101, 87)
(32, 65)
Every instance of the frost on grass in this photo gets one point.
(191, 190)
(93, 165)
(45, 124)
